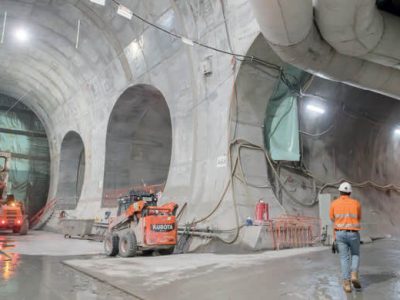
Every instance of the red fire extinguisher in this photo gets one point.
(262, 212)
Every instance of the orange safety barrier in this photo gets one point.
(294, 231)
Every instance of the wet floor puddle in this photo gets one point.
(8, 260)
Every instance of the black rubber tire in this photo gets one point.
(111, 244)
(23, 230)
(128, 245)
(168, 251)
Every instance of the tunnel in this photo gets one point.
(242, 119)
(72, 171)
(24, 137)
(313, 145)
(138, 145)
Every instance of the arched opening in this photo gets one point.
(23, 136)
(72, 171)
(139, 141)
(343, 133)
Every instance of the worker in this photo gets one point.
(345, 213)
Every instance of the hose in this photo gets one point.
(246, 144)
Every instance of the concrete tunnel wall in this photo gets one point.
(367, 152)
(84, 84)
(354, 139)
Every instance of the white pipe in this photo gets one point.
(357, 28)
(288, 21)
(352, 27)
(314, 55)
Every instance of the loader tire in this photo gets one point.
(167, 251)
(127, 245)
(111, 244)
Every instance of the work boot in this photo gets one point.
(347, 286)
(355, 280)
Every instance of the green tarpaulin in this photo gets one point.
(281, 121)
(22, 134)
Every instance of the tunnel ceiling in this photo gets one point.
(47, 70)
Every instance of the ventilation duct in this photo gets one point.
(288, 26)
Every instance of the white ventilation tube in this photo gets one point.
(288, 26)
(352, 27)
(357, 28)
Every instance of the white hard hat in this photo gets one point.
(345, 187)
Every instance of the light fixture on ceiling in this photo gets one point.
(21, 34)
(187, 41)
(124, 12)
(99, 2)
(315, 108)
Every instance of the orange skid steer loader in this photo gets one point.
(12, 212)
(142, 226)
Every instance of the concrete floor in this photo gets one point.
(50, 244)
(288, 274)
(31, 268)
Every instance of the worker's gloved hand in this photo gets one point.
(335, 248)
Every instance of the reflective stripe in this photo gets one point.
(346, 216)
(348, 225)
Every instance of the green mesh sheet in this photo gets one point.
(281, 121)
(22, 134)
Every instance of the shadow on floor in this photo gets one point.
(370, 279)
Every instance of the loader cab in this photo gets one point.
(135, 196)
(149, 198)
(123, 204)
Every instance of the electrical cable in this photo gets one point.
(335, 184)
(362, 184)
(234, 165)
(250, 145)
(237, 56)
(306, 172)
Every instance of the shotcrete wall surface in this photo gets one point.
(85, 81)
(355, 139)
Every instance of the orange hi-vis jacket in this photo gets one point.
(345, 212)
